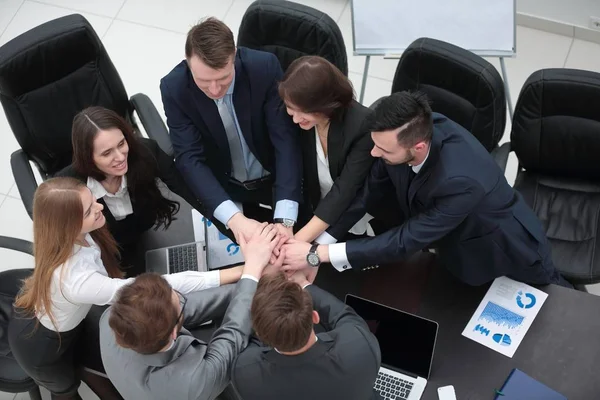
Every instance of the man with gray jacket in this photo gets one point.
(148, 354)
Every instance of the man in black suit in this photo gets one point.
(232, 138)
(297, 363)
(453, 198)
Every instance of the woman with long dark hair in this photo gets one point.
(122, 171)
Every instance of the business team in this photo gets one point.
(414, 177)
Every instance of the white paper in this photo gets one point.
(220, 250)
(505, 315)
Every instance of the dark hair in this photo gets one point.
(212, 41)
(143, 315)
(282, 313)
(143, 169)
(404, 108)
(315, 85)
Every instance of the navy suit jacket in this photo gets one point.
(459, 203)
(199, 139)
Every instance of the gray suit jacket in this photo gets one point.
(191, 369)
(342, 364)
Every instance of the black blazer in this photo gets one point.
(199, 139)
(128, 230)
(459, 203)
(342, 364)
(349, 147)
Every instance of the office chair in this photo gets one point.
(461, 85)
(12, 378)
(290, 30)
(556, 138)
(47, 75)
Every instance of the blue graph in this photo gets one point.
(531, 301)
(500, 316)
(482, 329)
(503, 340)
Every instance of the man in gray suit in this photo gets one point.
(148, 354)
(295, 362)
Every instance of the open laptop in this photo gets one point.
(406, 341)
(173, 259)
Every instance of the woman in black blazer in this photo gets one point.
(121, 170)
(336, 147)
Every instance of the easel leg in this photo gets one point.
(364, 80)
(506, 88)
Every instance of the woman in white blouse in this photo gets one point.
(336, 147)
(76, 266)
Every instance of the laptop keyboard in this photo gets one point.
(183, 258)
(390, 387)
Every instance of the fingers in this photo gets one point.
(279, 260)
(260, 229)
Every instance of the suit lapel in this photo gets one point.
(421, 178)
(309, 144)
(335, 143)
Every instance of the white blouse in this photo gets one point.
(119, 203)
(83, 281)
(326, 182)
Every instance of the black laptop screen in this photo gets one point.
(406, 341)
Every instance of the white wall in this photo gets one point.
(571, 12)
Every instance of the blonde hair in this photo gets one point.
(57, 222)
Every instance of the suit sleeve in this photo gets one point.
(227, 342)
(452, 204)
(376, 186)
(349, 182)
(189, 154)
(285, 139)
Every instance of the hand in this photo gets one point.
(258, 249)
(300, 277)
(295, 255)
(242, 226)
(276, 263)
(284, 232)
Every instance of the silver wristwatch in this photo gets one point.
(288, 223)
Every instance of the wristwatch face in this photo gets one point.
(313, 259)
(288, 223)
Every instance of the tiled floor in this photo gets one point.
(145, 40)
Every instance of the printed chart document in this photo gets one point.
(221, 251)
(505, 315)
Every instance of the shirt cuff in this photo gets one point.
(248, 276)
(286, 209)
(305, 286)
(325, 238)
(338, 257)
(225, 211)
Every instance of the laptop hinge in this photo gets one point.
(400, 370)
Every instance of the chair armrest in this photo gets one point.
(152, 121)
(500, 155)
(24, 179)
(24, 246)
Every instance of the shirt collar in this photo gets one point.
(98, 191)
(417, 168)
(316, 340)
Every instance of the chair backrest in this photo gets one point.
(47, 75)
(461, 85)
(556, 124)
(290, 30)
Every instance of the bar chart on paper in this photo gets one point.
(504, 315)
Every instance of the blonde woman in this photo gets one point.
(76, 266)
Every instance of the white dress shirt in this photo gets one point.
(83, 281)
(119, 204)
(337, 251)
(326, 182)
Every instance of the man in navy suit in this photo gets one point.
(232, 138)
(452, 196)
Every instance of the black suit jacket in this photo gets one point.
(342, 364)
(459, 203)
(349, 147)
(199, 139)
(128, 230)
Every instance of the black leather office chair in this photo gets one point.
(461, 85)
(47, 75)
(556, 138)
(12, 378)
(290, 30)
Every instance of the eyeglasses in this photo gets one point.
(182, 303)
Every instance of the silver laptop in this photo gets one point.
(173, 259)
(406, 341)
